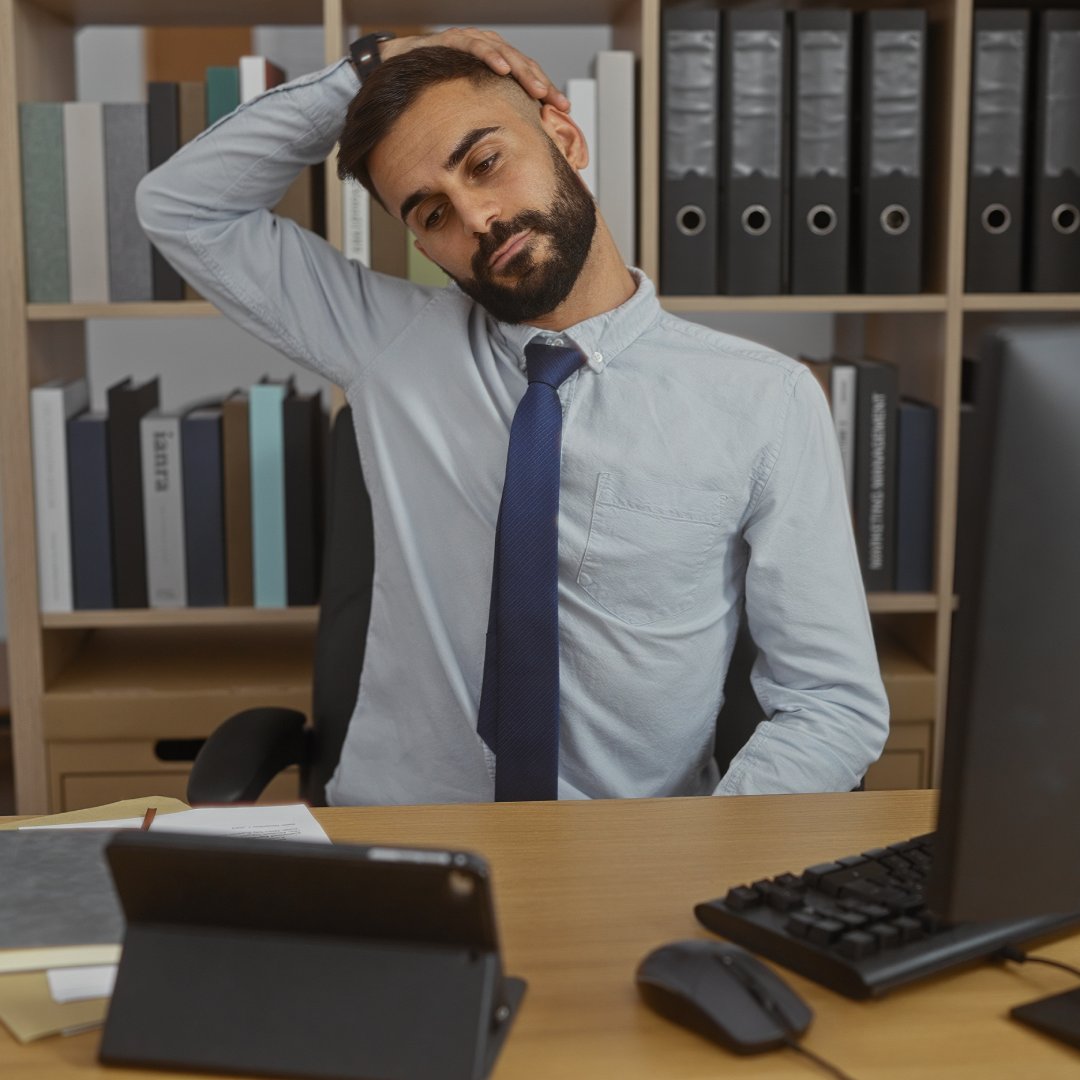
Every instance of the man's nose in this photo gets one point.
(477, 213)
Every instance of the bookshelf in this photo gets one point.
(98, 698)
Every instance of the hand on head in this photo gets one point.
(488, 46)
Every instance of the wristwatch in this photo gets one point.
(365, 52)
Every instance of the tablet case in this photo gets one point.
(307, 960)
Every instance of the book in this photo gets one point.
(916, 461)
(356, 213)
(222, 92)
(163, 509)
(58, 900)
(875, 472)
(127, 161)
(304, 430)
(257, 75)
(582, 95)
(236, 470)
(204, 506)
(192, 110)
(842, 384)
(163, 121)
(615, 165)
(87, 226)
(91, 528)
(821, 369)
(266, 400)
(44, 196)
(51, 406)
(128, 402)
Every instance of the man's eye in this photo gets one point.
(485, 165)
(433, 218)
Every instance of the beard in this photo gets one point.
(542, 285)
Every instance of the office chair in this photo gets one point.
(249, 749)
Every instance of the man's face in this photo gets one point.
(490, 196)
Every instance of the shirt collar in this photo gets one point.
(601, 338)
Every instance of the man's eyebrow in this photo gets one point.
(456, 155)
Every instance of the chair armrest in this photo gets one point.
(245, 753)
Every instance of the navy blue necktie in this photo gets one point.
(519, 701)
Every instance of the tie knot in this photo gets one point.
(551, 364)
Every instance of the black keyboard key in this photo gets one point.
(781, 899)
(851, 919)
(876, 853)
(857, 944)
(799, 925)
(910, 929)
(866, 891)
(790, 881)
(852, 860)
(743, 898)
(825, 931)
(812, 875)
(888, 936)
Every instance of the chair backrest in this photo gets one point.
(741, 712)
(344, 608)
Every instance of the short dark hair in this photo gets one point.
(389, 91)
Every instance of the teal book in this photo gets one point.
(222, 92)
(44, 194)
(266, 402)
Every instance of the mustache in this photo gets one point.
(501, 231)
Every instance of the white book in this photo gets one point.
(84, 181)
(356, 205)
(257, 75)
(616, 161)
(163, 510)
(51, 406)
(842, 394)
(582, 95)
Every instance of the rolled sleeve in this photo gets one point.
(816, 674)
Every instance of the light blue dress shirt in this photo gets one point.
(700, 472)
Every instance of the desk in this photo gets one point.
(584, 890)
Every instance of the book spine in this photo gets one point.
(222, 92)
(268, 495)
(204, 516)
(236, 452)
(582, 95)
(916, 457)
(91, 533)
(875, 479)
(842, 385)
(163, 112)
(127, 160)
(356, 204)
(44, 192)
(50, 409)
(88, 240)
(163, 511)
(127, 405)
(303, 481)
(615, 169)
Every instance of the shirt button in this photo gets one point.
(596, 361)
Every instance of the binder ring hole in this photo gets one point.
(462, 886)
(756, 220)
(895, 219)
(821, 219)
(996, 219)
(690, 220)
(1066, 218)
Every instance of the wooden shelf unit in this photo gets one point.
(132, 671)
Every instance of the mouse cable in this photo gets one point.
(1018, 956)
(839, 1073)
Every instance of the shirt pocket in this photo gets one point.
(647, 546)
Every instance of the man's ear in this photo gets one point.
(566, 135)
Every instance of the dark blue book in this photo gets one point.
(204, 507)
(91, 523)
(915, 487)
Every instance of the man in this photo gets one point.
(699, 473)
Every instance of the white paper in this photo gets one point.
(81, 983)
(294, 822)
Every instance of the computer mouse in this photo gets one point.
(724, 993)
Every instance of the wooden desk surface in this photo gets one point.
(584, 890)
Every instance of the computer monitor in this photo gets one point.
(1008, 836)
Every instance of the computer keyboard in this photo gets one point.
(859, 925)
